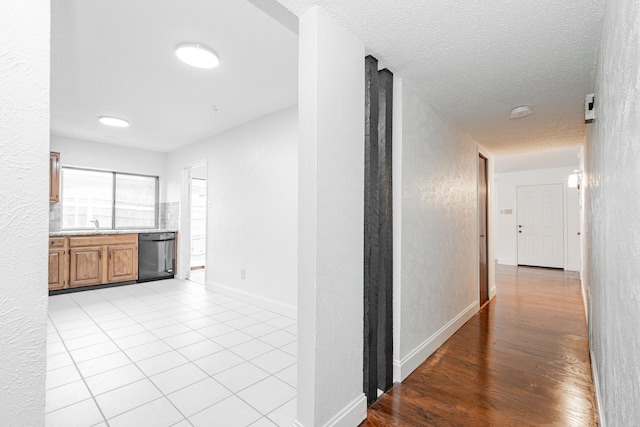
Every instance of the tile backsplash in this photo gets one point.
(168, 216)
(55, 217)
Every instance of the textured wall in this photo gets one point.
(97, 155)
(507, 234)
(612, 213)
(331, 224)
(438, 219)
(252, 220)
(24, 183)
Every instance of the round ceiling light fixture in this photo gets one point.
(197, 55)
(113, 121)
(520, 112)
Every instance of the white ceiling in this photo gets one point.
(562, 157)
(476, 60)
(116, 57)
(473, 60)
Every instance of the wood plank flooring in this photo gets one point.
(523, 360)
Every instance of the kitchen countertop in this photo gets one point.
(107, 231)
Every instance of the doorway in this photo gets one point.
(483, 247)
(541, 225)
(198, 218)
(193, 224)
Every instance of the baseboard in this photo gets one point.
(492, 292)
(402, 368)
(251, 298)
(594, 373)
(507, 261)
(352, 415)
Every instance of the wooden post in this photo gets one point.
(371, 236)
(385, 281)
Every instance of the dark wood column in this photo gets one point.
(385, 293)
(371, 236)
(378, 231)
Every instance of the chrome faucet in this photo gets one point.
(96, 223)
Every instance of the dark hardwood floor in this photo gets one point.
(523, 360)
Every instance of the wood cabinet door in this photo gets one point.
(85, 266)
(56, 269)
(54, 177)
(122, 263)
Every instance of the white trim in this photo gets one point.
(507, 261)
(251, 298)
(183, 260)
(402, 368)
(492, 292)
(352, 415)
(594, 372)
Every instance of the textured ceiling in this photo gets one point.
(562, 157)
(476, 60)
(116, 57)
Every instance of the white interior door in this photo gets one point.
(541, 225)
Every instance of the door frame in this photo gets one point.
(491, 263)
(565, 217)
(183, 269)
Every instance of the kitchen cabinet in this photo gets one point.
(57, 263)
(122, 263)
(86, 266)
(54, 177)
(102, 258)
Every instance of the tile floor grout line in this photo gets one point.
(190, 309)
(84, 382)
(144, 373)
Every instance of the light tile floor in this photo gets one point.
(168, 353)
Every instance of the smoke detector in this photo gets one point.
(520, 112)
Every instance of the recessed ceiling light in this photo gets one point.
(113, 121)
(521, 111)
(197, 55)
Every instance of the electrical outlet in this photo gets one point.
(242, 273)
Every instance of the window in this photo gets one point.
(116, 200)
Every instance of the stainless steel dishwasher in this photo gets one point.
(156, 256)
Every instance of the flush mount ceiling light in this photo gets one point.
(520, 112)
(113, 121)
(197, 55)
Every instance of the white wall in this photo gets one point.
(331, 224)
(506, 230)
(612, 212)
(435, 229)
(24, 189)
(252, 219)
(96, 155)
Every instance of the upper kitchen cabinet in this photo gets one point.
(54, 177)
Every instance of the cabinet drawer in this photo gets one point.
(56, 242)
(102, 239)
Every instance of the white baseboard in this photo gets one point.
(402, 368)
(594, 373)
(507, 261)
(492, 292)
(251, 298)
(352, 415)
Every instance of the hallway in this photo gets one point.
(522, 360)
